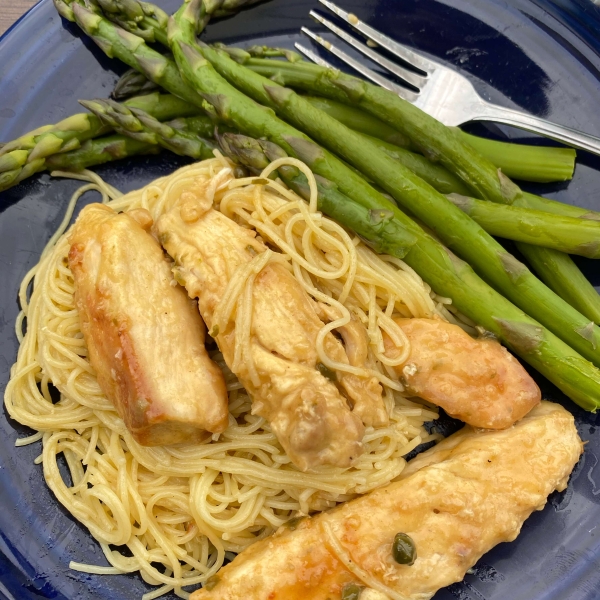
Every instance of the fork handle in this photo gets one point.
(560, 133)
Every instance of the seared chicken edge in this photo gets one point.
(145, 338)
(454, 503)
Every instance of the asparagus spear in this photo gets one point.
(144, 128)
(542, 164)
(26, 155)
(454, 228)
(435, 175)
(446, 273)
(132, 83)
(130, 49)
(149, 22)
(549, 264)
(145, 20)
(426, 134)
(517, 161)
(573, 236)
(99, 151)
(202, 126)
(114, 147)
(558, 208)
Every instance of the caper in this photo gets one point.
(351, 591)
(326, 372)
(404, 550)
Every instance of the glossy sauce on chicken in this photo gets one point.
(310, 416)
(455, 502)
(475, 380)
(144, 336)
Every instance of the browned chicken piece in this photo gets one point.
(475, 380)
(454, 502)
(290, 388)
(145, 337)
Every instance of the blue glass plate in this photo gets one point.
(540, 55)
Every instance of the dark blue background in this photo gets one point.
(542, 56)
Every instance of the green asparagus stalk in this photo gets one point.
(202, 125)
(518, 161)
(114, 147)
(145, 128)
(558, 208)
(149, 22)
(14, 168)
(132, 83)
(70, 132)
(549, 265)
(132, 50)
(433, 139)
(354, 118)
(25, 156)
(145, 20)
(541, 164)
(435, 175)
(446, 273)
(453, 226)
(573, 236)
(99, 151)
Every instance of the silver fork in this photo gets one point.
(439, 91)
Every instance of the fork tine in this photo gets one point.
(403, 52)
(313, 56)
(412, 78)
(403, 92)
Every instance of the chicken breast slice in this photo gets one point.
(144, 335)
(475, 380)
(308, 414)
(455, 502)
